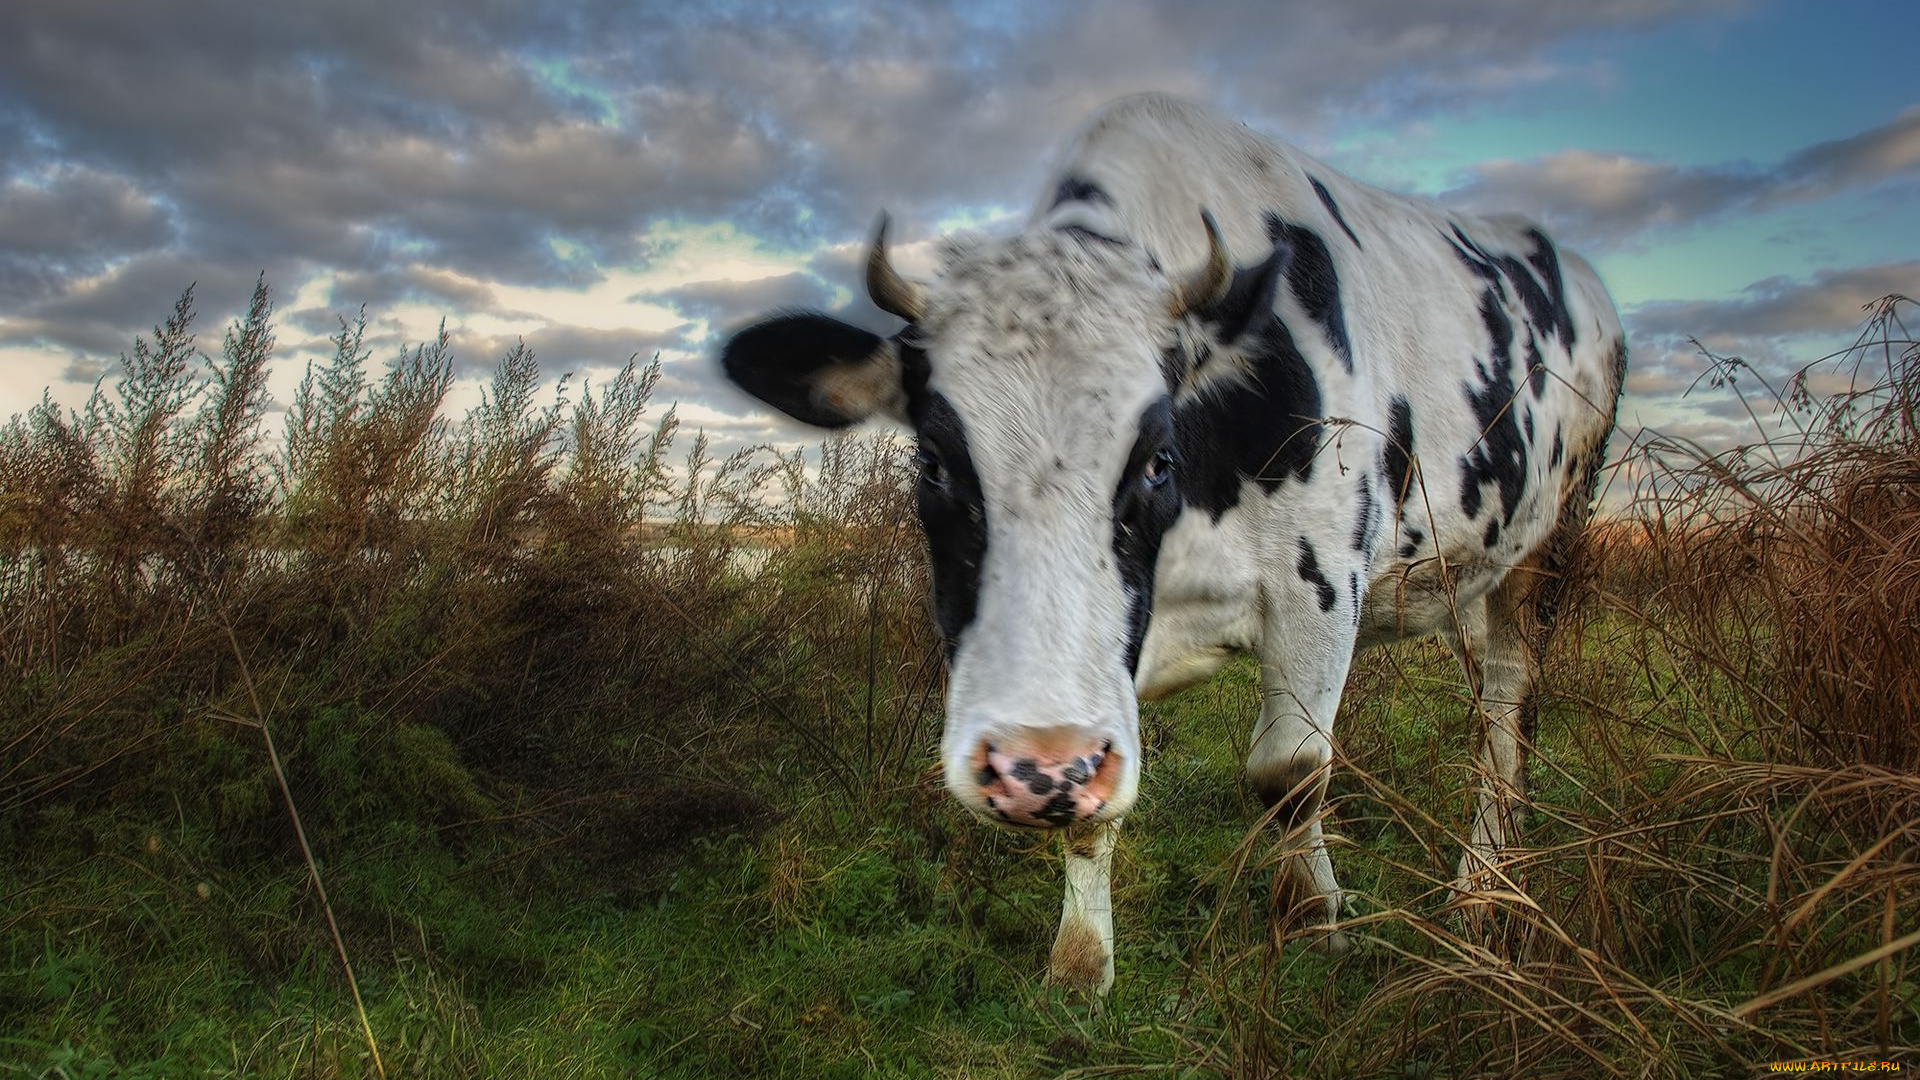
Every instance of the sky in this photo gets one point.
(608, 179)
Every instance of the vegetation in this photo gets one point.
(541, 744)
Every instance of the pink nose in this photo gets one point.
(1046, 778)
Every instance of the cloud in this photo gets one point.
(316, 321)
(82, 368)
(562, 348)
(1598, 200)
(102, 315)
(1644, 380)
(439, 152)
(1870, 156)
(353, 134)
(380, 288)
(1833, 301)
(1712, 434)
(75, 212)
(363, 133)
(724, 304)
(1603, 200)
(63, 222)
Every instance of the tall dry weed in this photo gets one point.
(1718, 870)
(1793, 562)
(559, 613)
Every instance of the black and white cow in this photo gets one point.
(1364, 417)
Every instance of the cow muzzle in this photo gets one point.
(1045, 778)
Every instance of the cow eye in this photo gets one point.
(932, 473)
(1158, 471)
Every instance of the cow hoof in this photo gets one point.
(1476, 875)
(1081, 961)
(1332, 943)
(1482, 891)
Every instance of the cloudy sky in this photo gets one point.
(604, 179)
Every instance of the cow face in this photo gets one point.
(1035, 375)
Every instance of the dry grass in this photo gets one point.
(1794, 562)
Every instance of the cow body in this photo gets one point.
(1384, 421)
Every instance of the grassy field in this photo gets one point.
(590, 801)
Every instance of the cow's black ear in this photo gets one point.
(817, 369)
(1250, 297)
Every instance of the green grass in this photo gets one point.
(902, 939)
(896, 939)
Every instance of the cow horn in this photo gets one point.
(889, 291)
(1210, 283)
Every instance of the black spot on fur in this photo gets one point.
(1559, 449)
(1309, 570)
(1475, 259)
(1536, 281)
(1500, 456)
(1412, 546)
(1364, 529)
(1142, 514)
(1265, 428)
(952, 512)
(1543, 308)
(1492, 536)
(1312, 280)
(1326, 200)
(1399, 449)
(1080, 189)
(1546, 262)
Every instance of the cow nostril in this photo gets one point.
(987, 777)
(1105, 768)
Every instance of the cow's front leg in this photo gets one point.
(1303, 667)
(1083, 952)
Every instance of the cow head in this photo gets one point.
(1039, 375)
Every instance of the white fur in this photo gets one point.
(1047, 347)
